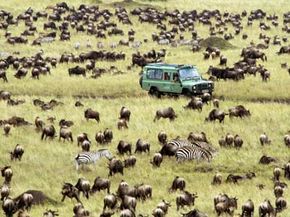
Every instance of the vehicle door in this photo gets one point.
(154, 78)
(165, 83)
(176, 86)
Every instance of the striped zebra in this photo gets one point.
(181, 143)
(91, 157)
(192, 153)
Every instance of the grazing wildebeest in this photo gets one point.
(238, 141)
(6, 129)
(7, 173)
(287, 171)
(162, 137)
(225, 204)
(122, 123)
(157, 160)
(239, 111)
(217, 179)
(229, 139)
(266, 209)
(108, 135)
(216, 114)
(39, 124)
(178, 183)
(101, 184)
(115, 166)
(82, 137)
(185, 199)
(277, 173)
(50, 213)
(193, 137)
(84, 186)
(142, 146)
(65, 133)
(9, 207)
(165, 113)
(24, 201)
(124, 147)
(110, 201)
(125, 113)
(48, 131)
(130, 162)
(264, 139)
(70, 191)
(17, 153)
(248, 209)
(91, 114)
(4, 191)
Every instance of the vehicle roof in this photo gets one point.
(168, 66)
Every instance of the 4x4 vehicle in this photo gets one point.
(160, 78)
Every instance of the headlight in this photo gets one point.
(193, 87)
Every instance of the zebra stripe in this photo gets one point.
(192, 153)
(91, 157)
(179, 143)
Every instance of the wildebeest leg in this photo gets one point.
(63, 198)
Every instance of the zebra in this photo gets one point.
(192, 153)
(91, 157)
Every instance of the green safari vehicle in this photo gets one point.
(173, 79)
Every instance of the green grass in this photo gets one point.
(46, 165)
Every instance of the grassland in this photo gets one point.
(46, 165)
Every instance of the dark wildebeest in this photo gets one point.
(142, 146)
(157, 160)
(110, 201)
(115, 166)
(7, 173)
(239, 111)
(65, 133)
(125, 113)
(77, 71)
(48, 131)
(248, 209)
(266, 209)
(100, 138)
(9, 207)
(178, 183)
(266, 159)
(264, 139)
(287, 171)
(24, 201)
(165, 113)
(130, 162)
(144, 191)
(82, 137)
(17, 153)
(194, 213)
(128, 202)
(193, 137)
(122, 123)
(108, 135)
(185, 199)
(101, 184)
(6, 129)
(90, 114)
(217, 179)
(216, 114)
(4, 191)
(277, 173)
(168, 150)
(162, 137)
(39, 124)
(281, 204)
(84, 186)
(70, 191)
(124, 147)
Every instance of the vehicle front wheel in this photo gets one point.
(186, 93)
(154, 92)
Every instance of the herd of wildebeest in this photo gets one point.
(61, 22)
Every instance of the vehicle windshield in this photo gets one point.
(188, 73)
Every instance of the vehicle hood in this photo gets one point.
(194, 82)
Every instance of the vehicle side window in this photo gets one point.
(175, 77)
(155, 74)
(166, 76)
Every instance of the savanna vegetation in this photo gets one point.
(47, 165)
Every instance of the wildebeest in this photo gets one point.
(216, 114)
(162, 137)
(128, 202)
(115, 166)
(130, 161)
(122, 123)
(280, 204)
(225, 204)
(125, 113)
(287, 140)
(39, 124)
(194, 213)
(287, 171)
(278, 191)
(195, 104)
(127, 213)
(157, 160)
(193, 137)
(70, 191)
(50, 213)
(168, 150)
(264, 139)
(266, 209)
(9, 207)
(217, 179)
(124, 147)
(48, 131)
(185, 199)
(6, 129)
(238, 141)
(17, 153)
(84, 186)
(4, 191)
(110, 201)
(101, 184)
(7, 173)
(165, 113)
(91, 114)
(248, 209)
(24, 201)
(81, 138)
(178, 183)
(277, 173)
(65, 133)
(239, 111)
(142, 146)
